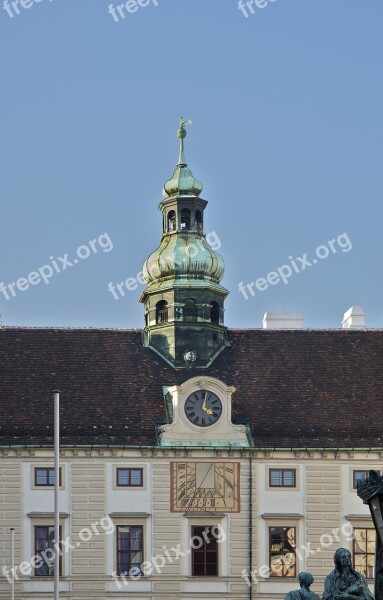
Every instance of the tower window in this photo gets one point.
(161, 312)
(190, 310)
(214, 312)
(171, 221)
(185, 218)
(198, 220)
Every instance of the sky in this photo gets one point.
(286, 105)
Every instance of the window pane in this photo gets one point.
(282, 551)
(51, 476)
(275, 477)
(122, 476)
(358, 476)
(136, 477)
(129, 548)
(364, 551)
(289, 478)
(41, 476)
(205, 558)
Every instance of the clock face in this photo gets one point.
(203, 408)
(205, 486)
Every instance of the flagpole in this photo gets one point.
(12, 562)
(56, 492)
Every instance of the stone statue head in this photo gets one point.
(305, 579)
(342, 558)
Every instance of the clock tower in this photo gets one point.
(184, 301)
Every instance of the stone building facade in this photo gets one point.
(196, 461)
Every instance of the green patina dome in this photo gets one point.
(183, 182)
(184, 257)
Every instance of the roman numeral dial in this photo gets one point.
(203, 408)
(205, 486)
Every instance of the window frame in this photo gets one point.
(130, 484)
(270, 554)
(283, 471)
(38, 552)
(365, 554)
(353, 479)
(117, 559)
(36, 485)
(194, 528)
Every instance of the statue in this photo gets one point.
(344, 583)
(305, 580)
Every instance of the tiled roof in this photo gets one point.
(315, 389)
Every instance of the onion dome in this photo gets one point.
(183, 182)
(184, 258)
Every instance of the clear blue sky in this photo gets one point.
(286, 137)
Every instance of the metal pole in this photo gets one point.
(56, 493)
(13, 563)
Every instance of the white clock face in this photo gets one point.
(203, 408)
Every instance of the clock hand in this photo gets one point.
(208, 411)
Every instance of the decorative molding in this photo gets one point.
(46, 515)
(282, 516)
(204, 515)
(129, 515)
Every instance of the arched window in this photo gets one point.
(198, 220)
(185, 218)
(214, 312)
(190, 310)
(161, 312)
(171, 221)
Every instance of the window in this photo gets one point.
(161, 312)
(198, 220)
(364, 551)
(282, 551)
(282, 478)
(44, 548)
(214, 312)
(129, 477)
(357, 476)
(45, 476)
(190, 310)
(130, 549)
(171, 221)
(185, 218)
(204, 552)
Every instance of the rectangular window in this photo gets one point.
(282, 477)
(204, 553)
(282, 551)
(130, 477)
(364, 551)
(359, 475)
(130, 549)
(45, 476)
(44, 548)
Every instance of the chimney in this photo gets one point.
(354, 318)
(282, 321)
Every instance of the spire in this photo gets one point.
(183, 182)
(181, 134)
